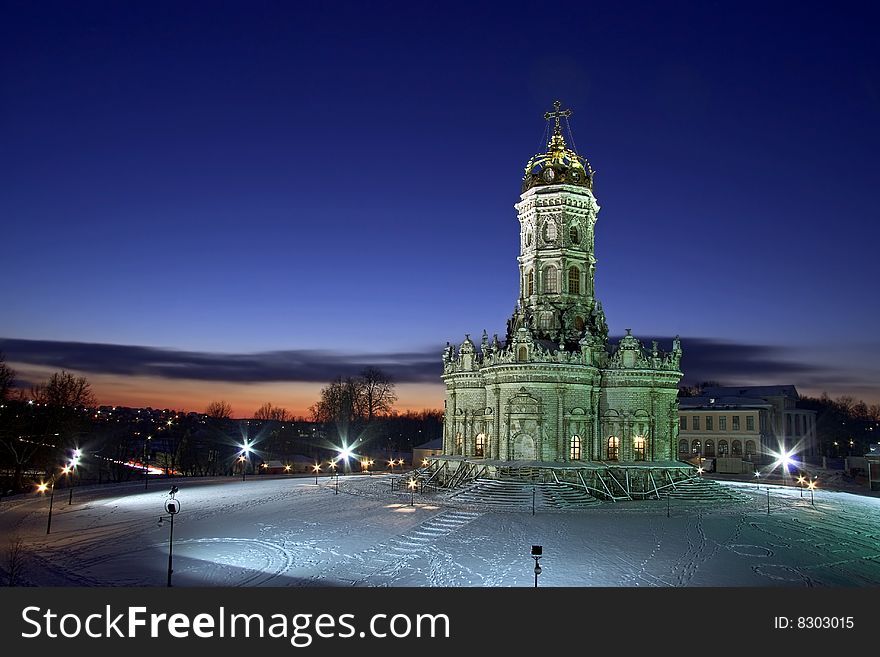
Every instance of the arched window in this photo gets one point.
(722, 448)
(710, 448)
(682, 447)
(459, 443)
(522, 355)
(573, 235)
(639, 448)
(613, 448)
(480, 446)
(696, 447)
(574, 280)
(530, 282)
(579, 323)
(551, 280)
(575, 449)
(750, 447)
(550, 231)
(736, 448)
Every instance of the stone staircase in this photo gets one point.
(698, 489)
(513, 495)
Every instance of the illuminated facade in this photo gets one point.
(555, 392)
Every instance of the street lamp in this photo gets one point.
(146, 462)
(41, 488)
(412, 489)
(242, 460)
(812, 487)
(801, 481)
(757, 480)
(317, 469)
(172, 508)
(537, 552)
(287, 468)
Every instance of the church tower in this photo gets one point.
(555, 399)
(557, 213)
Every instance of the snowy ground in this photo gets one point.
(290, 532)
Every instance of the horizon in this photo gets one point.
(245, 207)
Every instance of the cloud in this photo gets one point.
(268, 366)
(704, 359)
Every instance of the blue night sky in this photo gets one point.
(303, 188)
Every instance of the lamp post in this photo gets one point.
(768, 500)
(42, 489)
(172, 508)
(242, 460)
(757, 480)
(533, 503)
(369, 464)
(412, 489)
(812, 486)
(801, 481)
(317, 469)
(537, 552)
(146, 462)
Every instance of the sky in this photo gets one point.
(244, 200)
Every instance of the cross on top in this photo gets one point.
(557, 114)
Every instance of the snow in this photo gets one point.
(287, 531)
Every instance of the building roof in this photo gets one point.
(437, 443)
(709, 402)
(751, 391)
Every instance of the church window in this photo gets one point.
(551, 283)
(575, 449)
(735, 420)
(750, 423)
(529, 238)
(574, 280)
(550, 231)
(480, 447)
(695, 420)
(522, 355)
(458, 443)
(639, 448)
(682, 447)
(722, 448)
(683, 424)
(530, 284)
(750, 447)
(574, 235)
(546, 321)
(708, 423)
(613, 448)
(736, 448)
(722, 423)
(710, 448)
(696, 447)
(579, 323)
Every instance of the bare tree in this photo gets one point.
(377, 393)
(7, 376)
(269, 412)
(63, 389)
(219, 409)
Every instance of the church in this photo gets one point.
(555, 399)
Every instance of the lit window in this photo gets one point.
(736, 448)
(722, 448)
(613, 448)
(696, 447)
(480, 447)
(682, 446)
(550, 231)
(750, 447)
(530, 284)
(639, 448)
(710, 448)
(575, 449)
